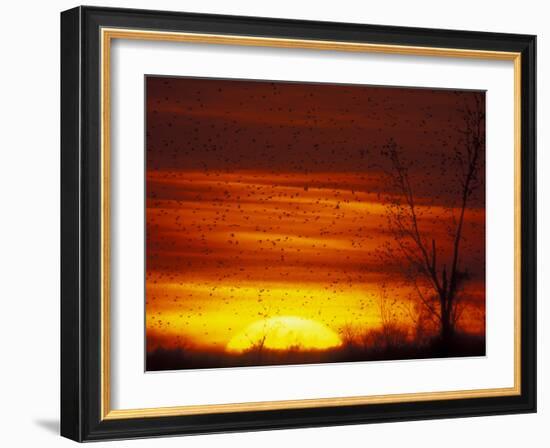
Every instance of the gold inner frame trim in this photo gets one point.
(107, 35)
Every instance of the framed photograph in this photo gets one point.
(275, 224)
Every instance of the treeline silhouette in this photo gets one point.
(388, 343)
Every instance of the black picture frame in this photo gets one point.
(81, 224)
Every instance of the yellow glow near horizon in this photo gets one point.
(284, 333)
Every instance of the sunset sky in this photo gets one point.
(267, 199)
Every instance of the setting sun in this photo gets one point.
(284, 333)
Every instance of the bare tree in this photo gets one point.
(257, 343)
(436, 278)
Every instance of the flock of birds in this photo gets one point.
(266, 199)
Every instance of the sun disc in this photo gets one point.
(284, 333)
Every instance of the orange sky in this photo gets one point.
(235, 247)
(228, 246)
